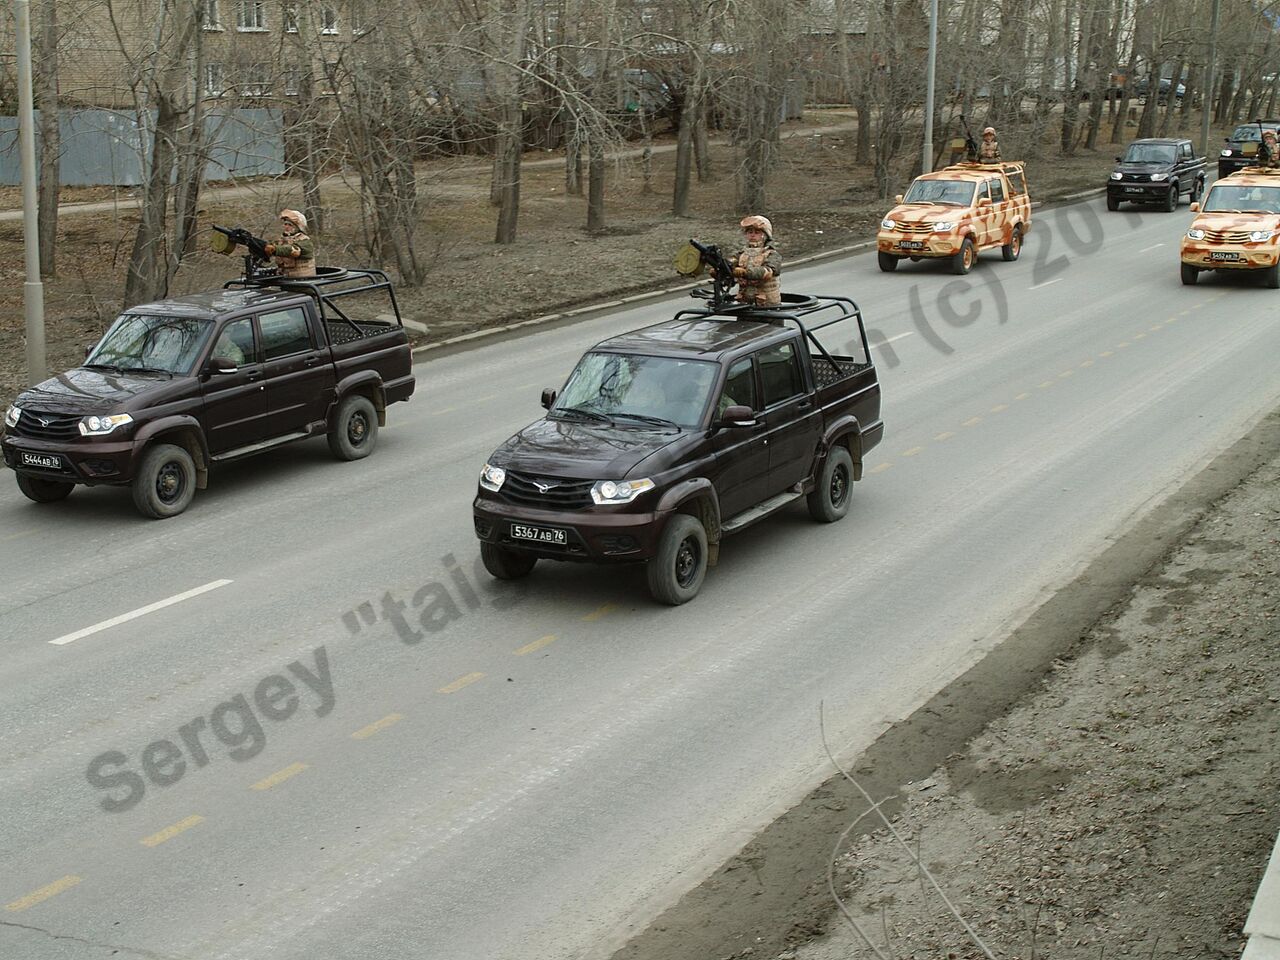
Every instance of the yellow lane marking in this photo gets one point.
(1122, 345)
(946, 434)
(14, 536)
(461, 682)
(1087, 363)
(280, 776)
(1022, 396)
(1064, 374)
(881, 467)
(487, 396)
(999, 407)
(44, 893)
(440, 413)
(1045, 385)
(168, 833)
(364, 733)
(1138, 336)
(538, 644)
(912, 452)
(1157, 328)
(1106, 353)
(601, 611)
(972, 422)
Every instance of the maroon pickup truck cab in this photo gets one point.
(181, 384)
(666, 439)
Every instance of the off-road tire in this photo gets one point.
(1190, 274)
(355, 428)
(676, 571)
(1271, 276)
(962, 260)
(1171, 198)
(1013, 249)
(503, 563)
(829, 500)
(44, 491)
(888, 262)
(1113, 204)
(1197, 188)
(165, 481)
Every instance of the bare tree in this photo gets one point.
(47, 100)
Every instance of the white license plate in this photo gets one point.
(47, 461)
(539, 534)
(1135, 189)
(911, 244)
(1215, 255)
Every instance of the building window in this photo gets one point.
(291, 83)
(290, 19)
(209, 18)
(251, 15)
(256, 80)
(215, 84)
(358, 26)
(329, 20)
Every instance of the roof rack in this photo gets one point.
(978, 165)
(793, 307)
(328, 285)
(1260, 171)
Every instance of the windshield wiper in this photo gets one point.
(100, 366)
(167, 373)
(585, 413)
(644, 418)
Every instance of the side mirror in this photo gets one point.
(984, 201)
(88, 349)
(738, 415)
(222, 365)
(548, 397)
(1195, 206)
(898, 198)
(1119, 159)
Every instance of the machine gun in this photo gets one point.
(695, 256)
(226, 239)
(970, 142)
(1264, 157)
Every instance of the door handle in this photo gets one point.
(805, 404)
(253, 378)
(312, 361)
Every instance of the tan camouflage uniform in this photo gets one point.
(758, 265)
(1271, 150)
(295, 253)
(989, 150)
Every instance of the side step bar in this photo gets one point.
(262, 445)
(761, 510)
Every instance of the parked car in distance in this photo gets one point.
(178, 385)
(1143, 87)
(1237, 227)
(1241, 148)
(954, 213)
(667, 439)
(1156, 170)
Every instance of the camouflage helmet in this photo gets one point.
(758, 221)
(990, 130)
(296, 217)
(1268, 134)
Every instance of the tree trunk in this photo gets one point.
(595, 186)
(511, 132)
(50, 139)
(702, 145)
(190, 160)
(573, 164)
(684, 160)
(309, 163)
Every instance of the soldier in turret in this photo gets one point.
(989, 149)
(758, 265)
(1269, 152)
(295, 253)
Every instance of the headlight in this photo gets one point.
(1117, 175)
(1195, 234)
(887, 224)
(944, 226)
(1159, 176)
(491, 477)
(101, 426)
(11, 415)
(619, 491)
(1225, 153)
(1258, 236)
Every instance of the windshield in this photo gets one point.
(633, 389)
(1149, 153)
(1247, 132)
(958, 192)
(151, 344)
(1231, 199)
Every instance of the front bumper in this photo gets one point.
(1138, 192)
(1231, 256)
(931, 244)
(593, 536)
(91, 462)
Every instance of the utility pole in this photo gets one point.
(1208, 80)
(33, 289)
(926, 163)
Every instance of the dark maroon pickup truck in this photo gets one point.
(179, 385)
(667, 439)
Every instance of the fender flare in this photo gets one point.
(697, 488)
(355, 383)
(190, 427)
(843, 426)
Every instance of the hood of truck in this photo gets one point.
(583, 450)
(1236, 222)
(103, 391)
(931, 213)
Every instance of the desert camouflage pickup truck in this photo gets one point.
(1237, 227)
(954, 213)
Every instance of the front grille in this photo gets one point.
(1216, 236)
(36, 425)
(560, 493)
(1137, 178)
(915, 227)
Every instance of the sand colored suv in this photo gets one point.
(954, 213)
(1237, 227)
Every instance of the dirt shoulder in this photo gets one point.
(1102, 785)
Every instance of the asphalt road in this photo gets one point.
(534, 770)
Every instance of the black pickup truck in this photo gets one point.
(1157, 170)
(181, 384)
(1241, 148)
(666, 439)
